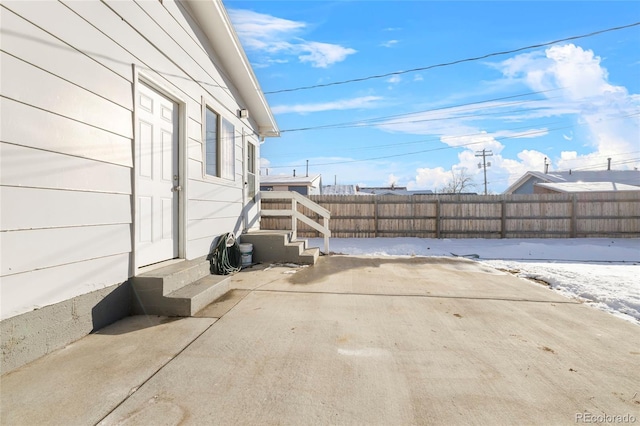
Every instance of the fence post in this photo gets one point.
(413, 216)
(375, 216)
(574, 216)
(503, 220)
(438, 218)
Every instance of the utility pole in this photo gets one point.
(484, 154)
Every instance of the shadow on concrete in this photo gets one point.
(337, 264)
(136, 323)
(113, 307)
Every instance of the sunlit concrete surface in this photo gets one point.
(351, 340)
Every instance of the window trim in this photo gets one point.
(205, 153)
(252, 179)
(220, 176)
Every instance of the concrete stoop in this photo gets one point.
(277, 246)
(180, 289)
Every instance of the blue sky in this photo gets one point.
(575, 103)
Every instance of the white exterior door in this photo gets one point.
(251, 189)
(156, 171)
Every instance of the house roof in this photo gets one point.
(627, 177)
(289, 180)
(398, 190)
(339, 190)
(215, 23)
(588, 186)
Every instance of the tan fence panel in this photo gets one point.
(598, 215)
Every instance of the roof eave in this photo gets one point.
(216, 25)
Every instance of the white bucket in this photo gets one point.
(246, 251)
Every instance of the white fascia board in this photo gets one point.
(215, 23)
(517, 183)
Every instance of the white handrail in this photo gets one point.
(296, 215)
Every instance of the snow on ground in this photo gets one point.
(599, 271)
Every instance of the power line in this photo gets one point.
(437, 138)
(535, 132)
(519, 135)
(372, 121)
(459, 61)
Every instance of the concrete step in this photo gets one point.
(195, 296)
(174, 276)
(180, 289)
(277, 246)
(310, 256)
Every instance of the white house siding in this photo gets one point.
(68, 78)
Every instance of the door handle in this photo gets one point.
(176, 188)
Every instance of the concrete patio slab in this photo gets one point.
(83, 382)
(392, 341)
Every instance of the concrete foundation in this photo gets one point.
(31, 335)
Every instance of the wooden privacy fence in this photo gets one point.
(597, 215)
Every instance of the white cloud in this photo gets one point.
(578, 88)
(392, 180)
(342, 104)
(394, 79)
(605, 110)
(477, 141)
(270, 35)
(261, 31)
(321, 55)
(418, 77)
(430, 178)
(389, 43)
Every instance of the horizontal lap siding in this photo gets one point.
(57, 246)
(29, 167)
(58, 283)
(65, 160)
(48, 92)
(67, 135)
(41, 49)
(34, 208)
(56, 133)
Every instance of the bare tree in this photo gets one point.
(461, 181)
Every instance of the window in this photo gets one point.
(251, 169)
(211, 142)
(220, 146)
(251, 158)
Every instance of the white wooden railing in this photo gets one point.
(296, 215)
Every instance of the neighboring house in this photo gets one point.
(305, 185)
(581, 187)
(525, 185)
(391, 190)
(130, 136)
(339, 190)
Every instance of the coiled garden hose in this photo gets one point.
(225, 258)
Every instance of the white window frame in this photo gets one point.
(225, 145)
(251, 170)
